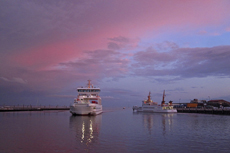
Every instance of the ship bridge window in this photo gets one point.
(83, 90)
(95, 90)
(88, 90)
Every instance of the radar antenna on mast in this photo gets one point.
(89, 83)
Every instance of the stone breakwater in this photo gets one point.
(31, 108)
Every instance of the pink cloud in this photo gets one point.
(228, 29)
(215, 33)
(44, 56)
(99, 64)
(203, 32)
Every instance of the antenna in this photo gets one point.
(89, 83)
(163, 99)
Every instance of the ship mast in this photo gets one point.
(163, 98)
(149, 97)
(89, 83)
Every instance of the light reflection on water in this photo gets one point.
(113, 131)
(86, 130)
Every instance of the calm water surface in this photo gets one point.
(116, 130)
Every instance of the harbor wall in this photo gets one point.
(220, 111)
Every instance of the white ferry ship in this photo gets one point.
(150, 106)
(88, 101)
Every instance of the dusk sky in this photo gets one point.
(126, 47)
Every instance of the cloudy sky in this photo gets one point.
(126, 47)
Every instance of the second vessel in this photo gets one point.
(150, 106)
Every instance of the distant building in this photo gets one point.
(196, 103)
(203, 103)
(218, 103)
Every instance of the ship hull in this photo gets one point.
(157, 109)
(85, 109)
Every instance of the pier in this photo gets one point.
(220, 111)
(31, 108)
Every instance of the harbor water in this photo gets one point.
(115, 130)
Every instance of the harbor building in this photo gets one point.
(219, 103)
